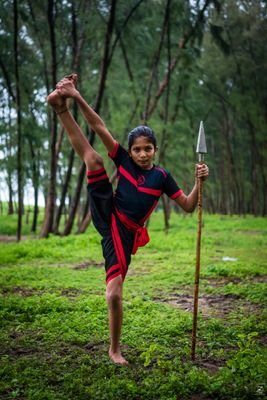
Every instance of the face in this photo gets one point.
(143, 152)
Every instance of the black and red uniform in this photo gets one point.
(120, 216)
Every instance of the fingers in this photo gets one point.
(66, 88)
(67, 81)
(202, 171)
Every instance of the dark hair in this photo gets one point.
(141, 130)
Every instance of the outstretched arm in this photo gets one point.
(189, 203)
(66, 88)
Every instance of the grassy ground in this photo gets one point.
(54, 336)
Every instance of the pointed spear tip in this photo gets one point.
(201, 142)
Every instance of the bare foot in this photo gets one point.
(57, 101)
(72, 77)
(117, 358)
(66, 87)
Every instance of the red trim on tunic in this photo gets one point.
(95, 172)
(113, 276)
(130, 178)
(177, 194)
(127, 175)
(97, 179)
(118, 246)
(113, 153)
(141, 238)
(153, 192)
(112, 273)
(162, 171)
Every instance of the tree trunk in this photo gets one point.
(8, 145)
(85, 222)
(35, 210)
(75, 201)
(64, 192)
(19, 133)
(35, 182)
(50, 201)
(166, 212)
(10, 195)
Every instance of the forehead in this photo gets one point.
(142, 141)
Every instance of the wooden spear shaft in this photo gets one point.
(201, 150)
(197, 271)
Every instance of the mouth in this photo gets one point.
(146, 164)
(144, 161)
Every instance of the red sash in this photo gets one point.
(141, 237)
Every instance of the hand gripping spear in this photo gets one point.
(201, 150)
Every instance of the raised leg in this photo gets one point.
(114, 301)
(77, 139)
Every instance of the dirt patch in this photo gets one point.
(22, 291)
(212, 366)
(93, 347)
(89, 264)
(208, 305)
(132, 272)
(262, 339)
(11, 238)
(198, 397)
(71, 292)
(260, 279)
(21, 351)
(252, 232)
(27, 292)
(217, 282)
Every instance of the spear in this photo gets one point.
(201, 150)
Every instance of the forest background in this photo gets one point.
(165, 63)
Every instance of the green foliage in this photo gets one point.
(249, 368)
(54, 337)
(225, 91)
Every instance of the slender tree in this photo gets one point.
(50, 201)
(19, 127)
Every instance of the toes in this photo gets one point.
(73, 77)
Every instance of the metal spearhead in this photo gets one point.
(201, 143)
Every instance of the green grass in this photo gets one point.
(54, 336)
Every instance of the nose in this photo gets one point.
(143, 154)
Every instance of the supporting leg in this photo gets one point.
(114, 300)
